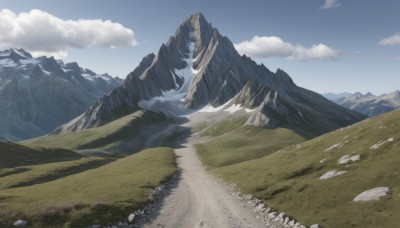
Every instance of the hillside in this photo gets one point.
(12, 155)
(295, 179)
(98, 196)
(131, 133)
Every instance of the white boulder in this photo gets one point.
(347, 159)
(131, 217)
(332, 173)
(20, 223)
(372, 194)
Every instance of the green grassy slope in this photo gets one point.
(104, 137)
(289, 179)
(12, 155)
(244, 144)
(96, 196)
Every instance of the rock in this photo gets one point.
(292, 223)
(315, 226)
(332, 173)
(282, 216)
(272, 215)
(95, 226)
(286, 221)
(347, 159)
(336, 146)
(372, 194)
(20, 223)
(260, 207)
(131, 217)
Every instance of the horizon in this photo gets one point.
(302, 46)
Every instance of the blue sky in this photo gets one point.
(336, 48)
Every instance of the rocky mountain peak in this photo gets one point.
(198, 67)
(195, 29)
(396, 93)
(18, 54)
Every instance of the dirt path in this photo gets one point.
(199, 200)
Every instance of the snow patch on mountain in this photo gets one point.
(7, 63)
(231, 109)
(173, 101)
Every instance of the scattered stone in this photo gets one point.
(315, 226)
(131, 217)
(95, 226)
(282, 216)
(347, 158)
(379, 144)
(286, 221)
(323, 160)
(292, 223)
(20, 223)
(336, 146)
(372, 194)
(272, 215)
(332, 173)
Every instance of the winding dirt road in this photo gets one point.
(200, 200)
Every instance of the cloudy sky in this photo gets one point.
(325, 45)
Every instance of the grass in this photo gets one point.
(246, 143)
(104, 137)
(225, 126)
(12, 155)
(97, 196)
(288, 179)
(36, 174)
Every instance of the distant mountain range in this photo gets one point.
(199, 67)
(39, 94)
(367, 104)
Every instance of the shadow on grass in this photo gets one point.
(14, 171)
(63, 173)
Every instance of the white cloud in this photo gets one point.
(392, 40)
(42, 33)
(330, 4)
(272, 46)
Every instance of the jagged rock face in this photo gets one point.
(296, 108)
(39, 94)
(370, 104)
(198, 66)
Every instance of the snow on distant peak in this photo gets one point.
(7, 63)
(172, 101)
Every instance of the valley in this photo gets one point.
(197, 135)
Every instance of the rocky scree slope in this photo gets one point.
(198, 67)
(39, 94)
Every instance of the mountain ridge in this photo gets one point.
(199, 54)
(39, 94)
(370, 104)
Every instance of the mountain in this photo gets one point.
(334, 96)
(369, 104)
(199, 67)
(39, 94)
